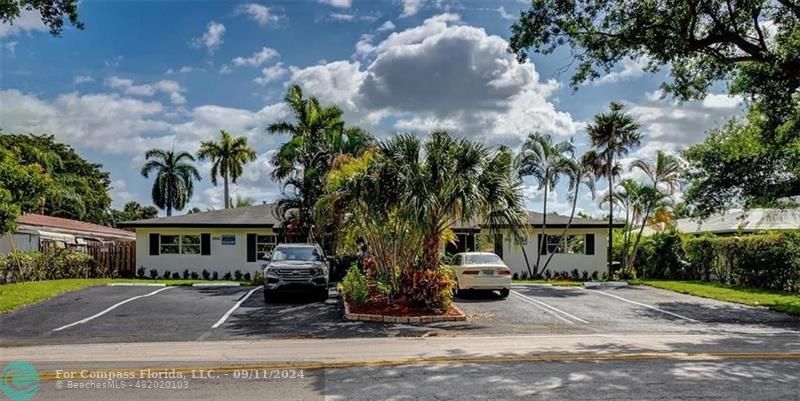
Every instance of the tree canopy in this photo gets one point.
(77, 188)
(53, 12)
(752, 45)
(21, 187)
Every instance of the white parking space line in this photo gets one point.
(646, 306)
(238, 304)
(112, 307)
(552, 309)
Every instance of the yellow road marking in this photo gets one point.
(642, 356)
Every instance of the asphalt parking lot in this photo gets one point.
(136, 314)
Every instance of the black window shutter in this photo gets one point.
(590, 244)
(542, 241)
(205, 244)
(154, 243)
(498, 245)
(251, 247)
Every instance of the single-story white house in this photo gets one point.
(236, 239)
(581, 247)
(35, 230)
(220, 240)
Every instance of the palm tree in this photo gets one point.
(546, 162)
(175, 176)
(665, 177)
(613, 134)
(318, 136)
(228, 157)
(448, 180)
(582, 174)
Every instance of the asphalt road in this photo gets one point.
(148, 314)
(611, 380)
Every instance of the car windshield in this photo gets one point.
(306, 254)
(482, 259)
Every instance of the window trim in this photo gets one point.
(180, 244)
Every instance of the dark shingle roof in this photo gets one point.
(553, 220)
(251, 216)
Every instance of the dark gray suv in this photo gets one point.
(296, 267)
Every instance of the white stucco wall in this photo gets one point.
(513, 257)
(223, 258)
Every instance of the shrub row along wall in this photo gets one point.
(51, 264)
(769, 260)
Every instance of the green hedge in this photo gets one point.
(768, 260)
(51, 264)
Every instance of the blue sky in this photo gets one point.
(149, 74)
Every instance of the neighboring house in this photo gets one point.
(221, 240)
(35, 230)
(583, 247)
(236, 239)
(737, 221)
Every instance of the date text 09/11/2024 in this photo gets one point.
(248, 374)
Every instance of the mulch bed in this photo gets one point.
(400, 312)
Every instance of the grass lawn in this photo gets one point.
(17, 295)
(775, 300)
(558, 283)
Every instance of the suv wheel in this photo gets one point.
(322, 294)
(268, 295)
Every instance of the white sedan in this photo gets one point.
(481, 271)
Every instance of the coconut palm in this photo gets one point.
(613, 134)
(175, 176)
(228, 157)
(546, 162)
(582, 174)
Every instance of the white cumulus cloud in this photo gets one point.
(212, 37)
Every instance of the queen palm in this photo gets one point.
(664, 175)
(546, 162)
(228, 157)
(175, 176)
(612, 134)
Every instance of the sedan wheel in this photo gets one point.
(504, 292)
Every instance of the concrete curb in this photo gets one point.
(216, 284)
(601, 284)
(402, 319)
(137, 284)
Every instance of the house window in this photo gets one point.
(575, 244)
(555, 243)
(569, 244)
(265, 244)
(190, 244)
(180, 244)
(170, 244)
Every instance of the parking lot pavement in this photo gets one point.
(148, 314)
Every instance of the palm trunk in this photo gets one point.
(639, 237)
(569, 223)
(430, 253)
(543, 244)
(610, 254)
(169, 210)
(227, 193)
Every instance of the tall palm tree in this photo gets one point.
(175, 176)
(546, 162)
(318, 136)
(447, 180)
(582, 174)
(228, 157)
(613, 134)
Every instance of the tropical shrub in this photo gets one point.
(51, 264)
(140, 272)
(153, 274)
(194, 275)
(176, 276)
(186, 274)
(237, 275)
(215, 275)
(355, 286)
(206, 274)
(430, 289)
